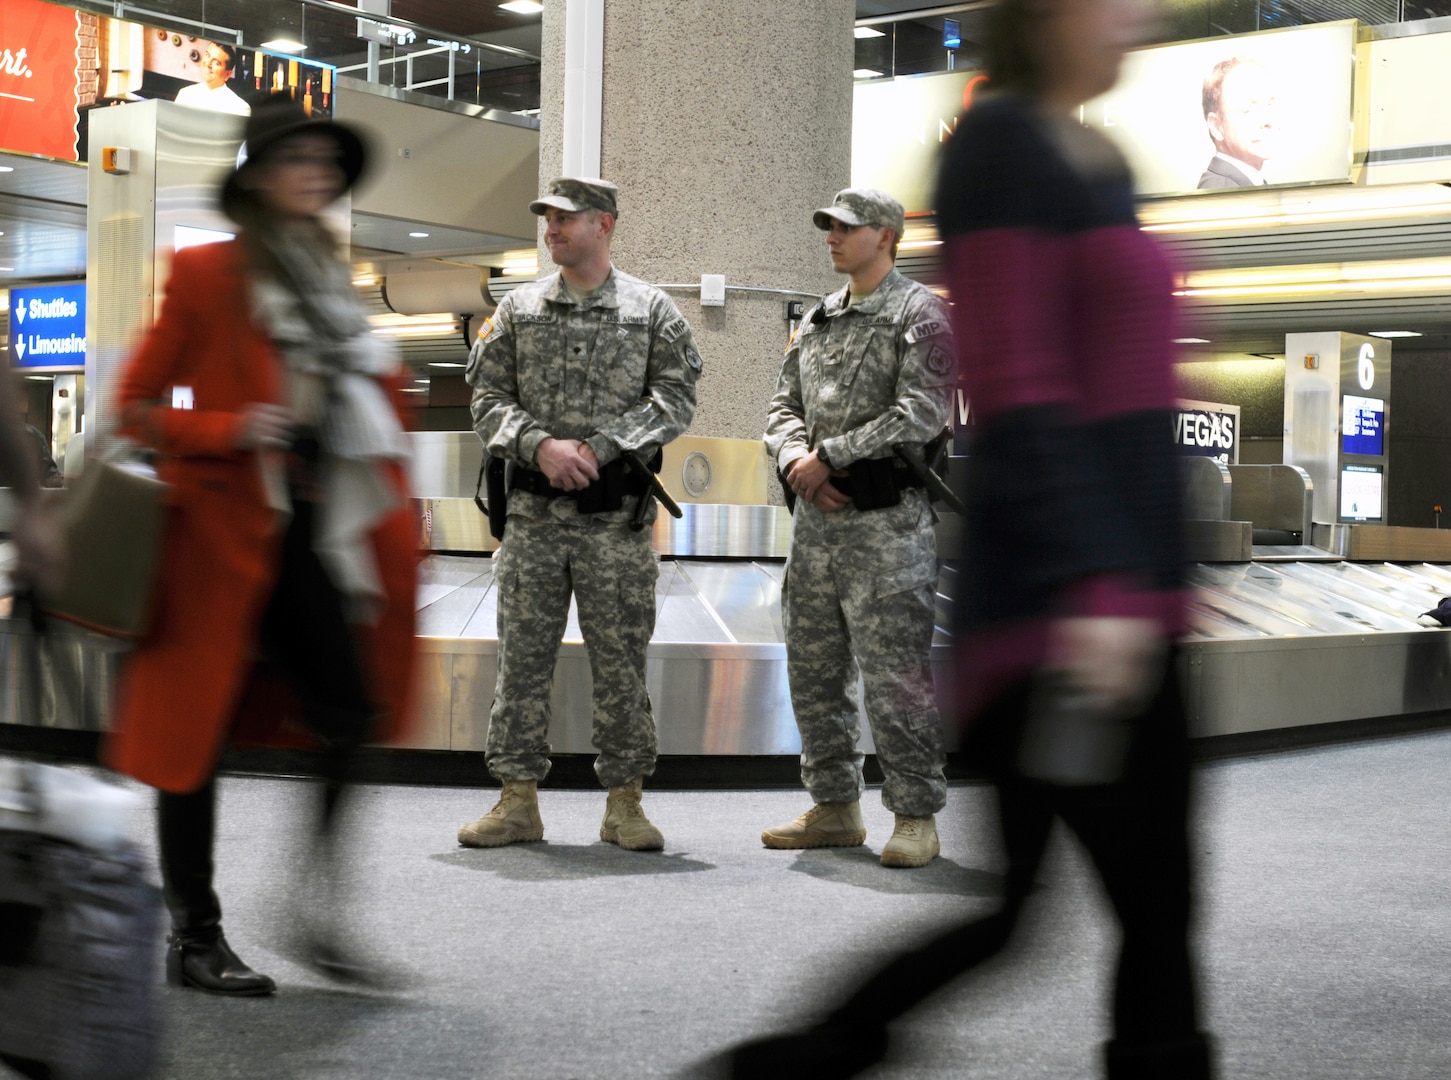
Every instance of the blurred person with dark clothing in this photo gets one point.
(290, 529)
(40, 449)
(1073, 588)
(35, 531)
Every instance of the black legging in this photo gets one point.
(1136, 831)
(304, 631)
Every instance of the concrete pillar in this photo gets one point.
(724, 126)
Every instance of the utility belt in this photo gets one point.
(875, 483)
(616, 483)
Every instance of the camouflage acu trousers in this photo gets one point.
(859, 596)
(611, 572)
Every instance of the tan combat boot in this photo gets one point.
(913, 842)
(513, 820)
(625, 821)
(824, 825)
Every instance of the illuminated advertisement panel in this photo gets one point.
(57, 65)
(1279, 113)
(1234, 112)
(39, 58)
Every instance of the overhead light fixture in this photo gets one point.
(427, 329)
(415, 390)
(283, 45)
(7, 168)
(524, 263)
(7, 269)
(1191, 341)
(867, 32)
(418, 235)
(364, 281)
(1393, 333)
(866, 73)
(1277, 209)
(522, 7)
(39, 378)
(446, 363)
(1415, 277)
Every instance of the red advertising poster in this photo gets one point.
(39, 60)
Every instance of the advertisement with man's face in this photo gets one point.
(1235, 112)
(57, 65)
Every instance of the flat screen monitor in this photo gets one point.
(1360, 492)
(1362, 425)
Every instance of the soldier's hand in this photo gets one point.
(829, 499)
(810, 478)
(569, 464)
(806, 475)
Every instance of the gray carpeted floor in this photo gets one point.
(1326, 912)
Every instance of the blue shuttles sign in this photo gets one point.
(48, 327)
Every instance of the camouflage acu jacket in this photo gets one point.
(858, 379)
(617, 370)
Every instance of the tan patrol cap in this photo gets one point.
(574, 193)
(862, 206)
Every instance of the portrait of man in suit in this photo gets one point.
(1240, 113)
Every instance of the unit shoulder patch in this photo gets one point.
(938, 360)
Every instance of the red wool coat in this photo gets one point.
(181, 692)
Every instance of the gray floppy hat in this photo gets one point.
(575, 193)
(862, 206)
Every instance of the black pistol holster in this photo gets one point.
(493, 482)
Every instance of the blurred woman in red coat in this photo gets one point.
(275, 414)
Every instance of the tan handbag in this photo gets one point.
(113, 523)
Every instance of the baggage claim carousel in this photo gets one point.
(1288, 635)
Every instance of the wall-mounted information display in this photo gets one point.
(48, 327)
(1362, 425)
(1361, 492)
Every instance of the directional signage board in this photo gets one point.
(48, 327)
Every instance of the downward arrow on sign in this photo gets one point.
(20, 313)
(20, 349)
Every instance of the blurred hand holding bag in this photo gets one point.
(79, 925)
(113, 523)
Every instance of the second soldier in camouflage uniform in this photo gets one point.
(571, 372)
(871, 367)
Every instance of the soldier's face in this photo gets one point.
(576, 237)
(854, 247)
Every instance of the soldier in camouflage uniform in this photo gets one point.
(573, 371)
(871, 367)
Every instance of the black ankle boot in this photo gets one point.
(213, 966)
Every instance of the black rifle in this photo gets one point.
(653, 486)
(917, 461)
